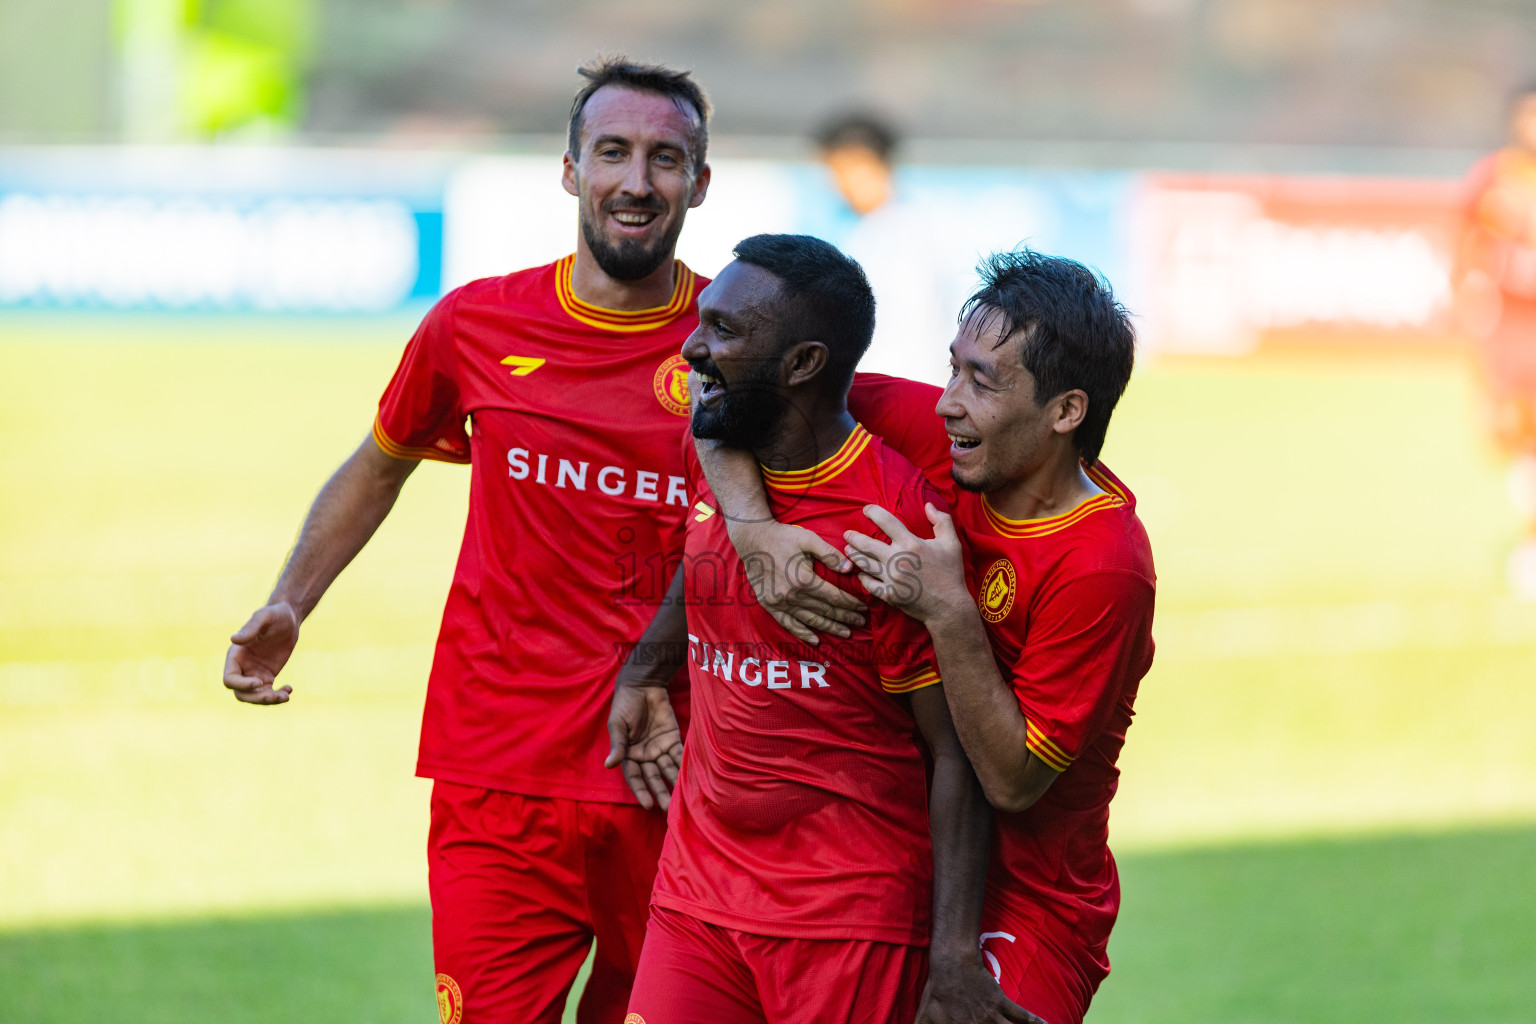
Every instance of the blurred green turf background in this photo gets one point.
(1329, 794)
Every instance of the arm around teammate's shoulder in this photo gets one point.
(344, 515)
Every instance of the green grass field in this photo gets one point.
(1329, 802)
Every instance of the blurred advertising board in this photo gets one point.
(1212, 264)
(1226, 264)
(219, 230)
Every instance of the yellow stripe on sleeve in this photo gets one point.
(912, 681)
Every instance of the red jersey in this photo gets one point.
(577, 497)
(801, 808)
(1067, 603)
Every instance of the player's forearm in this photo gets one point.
(986, 713)
(663, 647)
(342, 519)
(737, 481)
(960, 825)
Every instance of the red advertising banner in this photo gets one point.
(1229, 263)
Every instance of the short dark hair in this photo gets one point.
(677, 86)
(827, 297)
(859, 129)
(1073, 334)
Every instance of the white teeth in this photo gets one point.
(635, 219)
(964, 442)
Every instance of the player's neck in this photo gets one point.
(1053, 488)
(806, 436)
(592, 284)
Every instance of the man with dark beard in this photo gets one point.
(578, 397)
(814, 868)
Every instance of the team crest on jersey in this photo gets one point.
(450, 1001)
(634, 1018)
(671, 385)
(998, 583)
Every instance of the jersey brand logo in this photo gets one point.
(522, 366)
(995, 597)
(450, 1001)
(671, 385)
(703, 510)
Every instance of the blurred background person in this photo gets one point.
(900, 246)
(1498, 292)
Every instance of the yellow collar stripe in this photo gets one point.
(624, 321)
(1021, 528)
(827, 469)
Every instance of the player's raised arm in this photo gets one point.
(778, 557)
(344, 515)
(647, 742)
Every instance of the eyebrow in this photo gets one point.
(610, 139)
(975, 365)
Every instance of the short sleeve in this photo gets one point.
(1087, 640)
(900, 413)
(420, 416)
(905, 657)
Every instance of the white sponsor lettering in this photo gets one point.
(618, 474)
(778, 675)
(517, 463)
(721, 661)
(569, 472)
(645, 485)
(614, 481)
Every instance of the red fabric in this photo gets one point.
(1040, 964)
(901, 413)
(520, 888)
(693, 972)
(801, 806)
(1074, 637)
(1074, 642)
(576, 498)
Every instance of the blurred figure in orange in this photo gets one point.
(1497, 295)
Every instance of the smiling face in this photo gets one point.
(635, 178)
(738, 358)
(999, 434)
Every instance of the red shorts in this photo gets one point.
(521, 886)
(693, 972)
(1041, 964)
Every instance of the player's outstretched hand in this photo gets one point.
(646, 743)
(779, 562)
(258, 652)
(921, 577)
(968, 994)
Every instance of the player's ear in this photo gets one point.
(804, 362)
(568, 174)
(1071, 409)
(700, 186)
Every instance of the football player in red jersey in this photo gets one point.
(799, 882)
(1042, 654)
(578, 398)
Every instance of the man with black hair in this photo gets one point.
(1037, 593)
(811, 870)
(578, 398)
